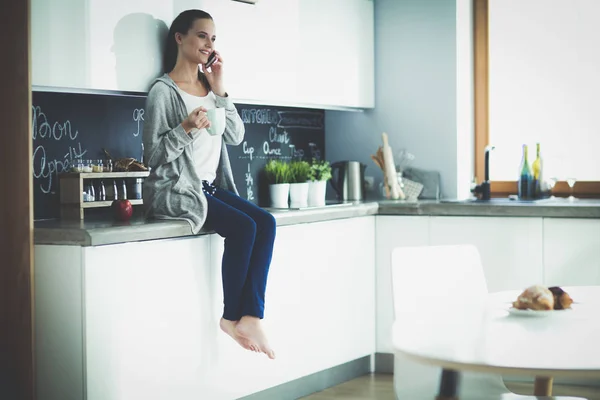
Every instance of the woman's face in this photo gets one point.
(199, 41)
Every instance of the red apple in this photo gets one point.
(122, 210)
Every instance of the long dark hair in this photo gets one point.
(182, 24)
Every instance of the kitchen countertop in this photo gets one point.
(548, 208)
(102, 232)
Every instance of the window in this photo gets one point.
(537, 80)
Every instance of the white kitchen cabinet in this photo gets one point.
(392, 232)
(284, 52)
(132, 320)
(105, 45)
(336, 53)
(59, 320)
(571, 252)
(259, 45)
(140, 320)
(510, 248)
(320, 306)
(148, 321)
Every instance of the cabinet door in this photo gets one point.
(149, 330)
(319, 306)
(571, 252)
(259, 44)
(392, 232)
(510, 248)
(109, 44)
(336, 53)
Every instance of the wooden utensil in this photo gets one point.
(378, 159)
(390, 170)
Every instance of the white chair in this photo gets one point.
(421, 277)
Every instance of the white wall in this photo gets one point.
(422, 91)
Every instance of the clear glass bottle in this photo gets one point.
(525, 177)
(123, 193)
(101, 192)
(91, 193)
(115, 190)
(536, 168)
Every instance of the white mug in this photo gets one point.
(216, 116)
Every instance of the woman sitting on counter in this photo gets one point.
(191, 177)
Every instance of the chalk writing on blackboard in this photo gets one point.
(138, 116)
(278, 137)
(299, 119)
(44, 168)
(260, 116)
(249, 150)
(272, 132)
(283, 119)
(315, 152)
(249, 184)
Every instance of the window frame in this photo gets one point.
(481, 113)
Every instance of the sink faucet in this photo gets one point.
(484, 188)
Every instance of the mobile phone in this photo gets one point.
(211, 59)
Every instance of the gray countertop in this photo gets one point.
(102, 232)
(548, 208)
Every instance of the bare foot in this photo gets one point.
(249, 328)
(228, 327)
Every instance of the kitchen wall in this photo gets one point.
(423, 94)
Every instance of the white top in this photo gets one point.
(490, 339)
(207, 148)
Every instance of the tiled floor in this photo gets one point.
(380, 387)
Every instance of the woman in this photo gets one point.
(191, 176)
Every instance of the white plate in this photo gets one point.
(534, 313)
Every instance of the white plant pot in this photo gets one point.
(279, 193)
(299, 195)
(316, 193)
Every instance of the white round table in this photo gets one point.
(487, 338)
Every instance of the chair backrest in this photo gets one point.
(425, 277)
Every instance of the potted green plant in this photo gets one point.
(277, 173)
(320, 173)
(299, 172)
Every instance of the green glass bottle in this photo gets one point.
(525, 177)
(537, 174)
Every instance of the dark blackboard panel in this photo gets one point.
(274, 132)
(67, 126)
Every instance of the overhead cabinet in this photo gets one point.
(336, 51)
(307, 53)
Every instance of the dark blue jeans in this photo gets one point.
(249, 233)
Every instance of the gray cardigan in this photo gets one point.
(173, 189)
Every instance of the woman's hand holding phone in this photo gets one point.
(213, 70)
(196, 120)
(211, 59)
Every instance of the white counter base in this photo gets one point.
(140, 320)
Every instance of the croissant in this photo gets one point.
(562, 300)
(536, 297)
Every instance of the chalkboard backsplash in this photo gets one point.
(67, 126)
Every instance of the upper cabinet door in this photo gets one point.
(98, 44)
(258, 44)
(313, 53)
(336, 53)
